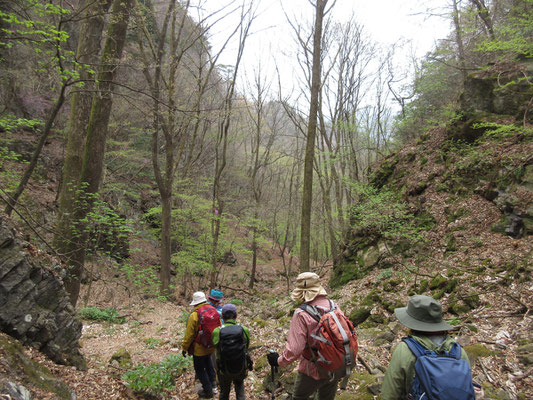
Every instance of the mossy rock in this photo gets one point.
(476, 351)
(372, 298)
(438, 282)
(500, 226)
(439, 294)
(525, 354)
(492, 393)
(451, 285)
(380, 177)
(384, 338)
(457, 308)
(30, 372)
(390, 285)
(451, 243)
(390, 306)
(363, 382)
(377, 318)
(424, 283)
(343, 272)
(472, 301)
(122, 358)
(359, 315)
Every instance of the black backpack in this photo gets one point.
(233, 360)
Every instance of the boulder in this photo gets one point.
(502, 89)
(33, 374)
(34, 306)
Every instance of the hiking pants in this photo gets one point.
(305, 386)
(203, 367)
(225, 387)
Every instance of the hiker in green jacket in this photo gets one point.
(423, 315)
(231, 342)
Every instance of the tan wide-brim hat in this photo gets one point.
(197, 298)
(423, 313)
(307, 287)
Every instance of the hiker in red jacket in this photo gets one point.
(310, 378)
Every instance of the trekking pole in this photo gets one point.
(273, 372)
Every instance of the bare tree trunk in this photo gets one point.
(254, 252)
(80, 109)
(93, 160)
(307, 194)
(66, 236)
(12, 200)
(459, 40)
(222, 140)
(484, 15)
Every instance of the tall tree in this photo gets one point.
(247, 17)
(87, 54)
(179, 67)
(265, 119)
(307, 195)
(73, 249)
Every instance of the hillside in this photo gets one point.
(465, 196)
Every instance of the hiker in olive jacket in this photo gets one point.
(203, 364)
(423, 315)
(229, 313)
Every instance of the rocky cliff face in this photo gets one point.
(34, 307)
(468, 185)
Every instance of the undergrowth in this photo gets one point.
(97, 314)
(155, 379)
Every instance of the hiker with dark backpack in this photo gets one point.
(428, 364)
(322, 338)
(198, 342)
(233, 362)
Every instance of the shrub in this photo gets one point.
(154, 379)
(10, 123)
(97, 314)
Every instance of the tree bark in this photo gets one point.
(94, 150)
(80, 110)
(307, 195)
(459, 40)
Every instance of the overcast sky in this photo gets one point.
(385, 21)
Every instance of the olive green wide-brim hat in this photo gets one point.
(422, 313)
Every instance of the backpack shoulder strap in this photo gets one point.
(416, 348)
(311, 310)
(455, 351)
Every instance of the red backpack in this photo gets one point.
(208, 319)
(334, 343)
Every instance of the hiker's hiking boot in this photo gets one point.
(203, 395)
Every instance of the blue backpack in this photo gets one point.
(443, 376)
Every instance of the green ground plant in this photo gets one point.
(9, 176)
(383, 212)
(152, 343)
(96, 314)
(155, 379)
